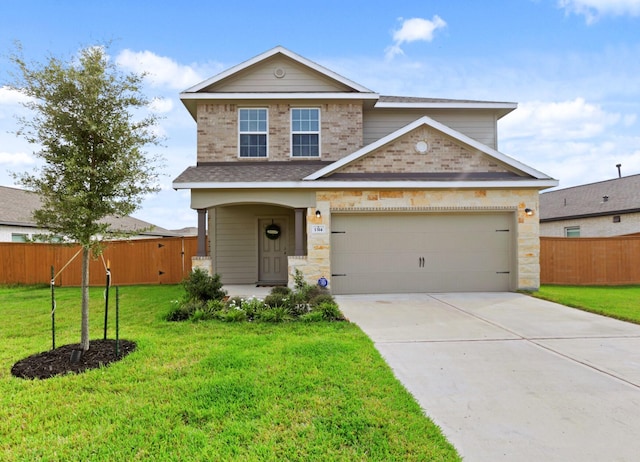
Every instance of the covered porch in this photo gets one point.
(255, 238)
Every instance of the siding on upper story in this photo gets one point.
(278, 74)
(481, 125)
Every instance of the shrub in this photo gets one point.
(321, 298)
(199, 285)
(330, 311)
(278, 299)
(253, 307)
(281, 290)
(275, 314)
(178, 312)
(232, 315)
(312, 316)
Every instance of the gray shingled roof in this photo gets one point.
(278, 171)
(17, 206)
(246, 171)
(622, 196)
(412, 99)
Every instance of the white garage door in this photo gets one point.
(403, 253)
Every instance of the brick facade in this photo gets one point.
(341, 131)
(443, 155)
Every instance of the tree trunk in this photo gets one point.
(84, 336)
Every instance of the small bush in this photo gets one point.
(321, 298)
(278, 299)
(232, 315)
(181, 311)
(281, 290)
(312, 316)
(330, 311)
(199, 285)
(275, 314)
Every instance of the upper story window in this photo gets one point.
(253, 132)
(305, 132)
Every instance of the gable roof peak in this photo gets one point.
(428, 121)
(273, 52)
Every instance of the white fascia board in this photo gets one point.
(425, 120)
(508, 184)
(272, 96)
(267, 54)
(445, 105)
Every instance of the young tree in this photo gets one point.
(90, 130)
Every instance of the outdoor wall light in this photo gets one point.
(318, 214)
(528, 211)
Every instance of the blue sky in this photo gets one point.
(573, 67)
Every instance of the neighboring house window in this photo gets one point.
(572, 231)
(253, 132)
(305, 132)
(616, 219)
(19, 237)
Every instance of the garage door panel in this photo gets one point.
(421, 252)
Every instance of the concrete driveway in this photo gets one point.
(510, 377)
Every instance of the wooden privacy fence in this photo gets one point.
(590, 260)
(140, 261)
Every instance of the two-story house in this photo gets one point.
(299, 168)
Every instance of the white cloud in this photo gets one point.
(10, 96)
(162, 71)
(162, 105)
(414, 29)
(565, 120)
(594, 9)
(16, 159)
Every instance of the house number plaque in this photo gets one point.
(318, 229)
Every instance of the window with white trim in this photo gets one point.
(305, 132)
(252, 132)
(19, 237)
(572, 231)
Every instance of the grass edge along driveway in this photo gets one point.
(619, 302)
(203, 391)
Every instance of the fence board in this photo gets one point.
(590, 261)
(144, 261)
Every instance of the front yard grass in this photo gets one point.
(620, 302)
(203, 391)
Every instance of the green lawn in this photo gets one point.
(203, 391)
(620, 302)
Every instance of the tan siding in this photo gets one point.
(261, 78)
(236, 240)
(479, 125)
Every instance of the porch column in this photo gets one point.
(299, 232)
(202, 233)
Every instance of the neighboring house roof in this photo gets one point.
(18, 206)
(610, 197)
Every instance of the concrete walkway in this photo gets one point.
(508, 377)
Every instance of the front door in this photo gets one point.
(272, 253)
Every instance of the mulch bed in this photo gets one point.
(59, 361)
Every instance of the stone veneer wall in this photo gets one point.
(340, 134)
(317, 262)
